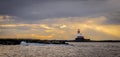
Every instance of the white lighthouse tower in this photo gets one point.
(79, 35)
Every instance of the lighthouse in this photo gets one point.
(80, 37)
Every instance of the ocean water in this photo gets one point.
(75, 49)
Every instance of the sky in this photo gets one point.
(60, 19)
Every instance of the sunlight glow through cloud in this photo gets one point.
(54, 29)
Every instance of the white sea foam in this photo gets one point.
(40, 44)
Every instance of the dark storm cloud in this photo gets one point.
(32, 10)
(112, 18)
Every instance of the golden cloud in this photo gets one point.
(54, 29)
(63, 26)
(45, 26)
(4, 18)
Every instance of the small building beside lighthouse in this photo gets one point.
(80, 37)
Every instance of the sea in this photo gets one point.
(73, 49)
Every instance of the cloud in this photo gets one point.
(6, 18)
(112, 18)
(60, 18)
(45, 26)
(34, 10)
(63, 26)
(91, 27)
(17, 26)
(32, 36)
